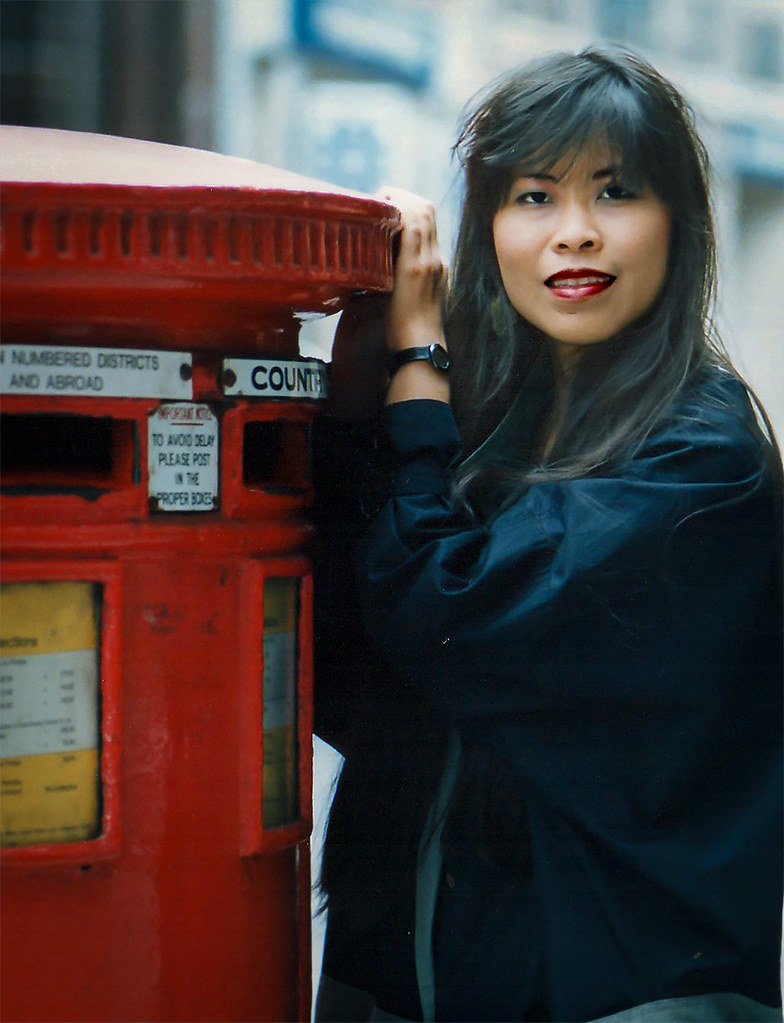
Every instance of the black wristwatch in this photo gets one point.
(435, 354)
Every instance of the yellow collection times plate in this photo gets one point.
(49, 712)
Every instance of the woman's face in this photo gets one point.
(581, 256)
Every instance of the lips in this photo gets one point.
(578, 284)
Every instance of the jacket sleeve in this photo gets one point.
(618, 590)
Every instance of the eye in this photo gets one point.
(532, 198)
(615, 190)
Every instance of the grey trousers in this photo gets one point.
(339, 1003)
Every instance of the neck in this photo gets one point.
(565, 357)
(564, 360)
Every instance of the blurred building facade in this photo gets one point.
(369, 93)
(139, 68)
(363, 93)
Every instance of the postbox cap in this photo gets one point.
(115, 238)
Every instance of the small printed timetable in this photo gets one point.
(49, 712)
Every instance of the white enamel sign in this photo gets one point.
(272, 378)
(183, 457)
(95, 372)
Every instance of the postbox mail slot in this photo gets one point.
(275, 456)
(66, 453)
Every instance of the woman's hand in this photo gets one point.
(414, 314)
(370, 326)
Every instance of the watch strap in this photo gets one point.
(435, 354)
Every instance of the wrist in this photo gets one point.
(418, 380)
(414, 333)
(434, 353)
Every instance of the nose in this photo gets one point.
(576, 229)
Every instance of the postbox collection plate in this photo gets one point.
(49, 736)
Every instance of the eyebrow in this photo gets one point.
(612, 171)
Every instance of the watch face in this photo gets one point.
(439, 357)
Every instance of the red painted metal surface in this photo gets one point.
(187, 904)
(225, 252)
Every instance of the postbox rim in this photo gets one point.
(206, 264)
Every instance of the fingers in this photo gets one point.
(409, 204)
(440, 279)
(419, 239)
(418, 219)
(414, 314)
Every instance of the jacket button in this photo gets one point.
(450, 881)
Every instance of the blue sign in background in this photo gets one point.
(386, 40)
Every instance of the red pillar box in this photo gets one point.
(156, 596)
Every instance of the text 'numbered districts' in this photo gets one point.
(95, 372)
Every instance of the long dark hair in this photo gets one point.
(548, 111)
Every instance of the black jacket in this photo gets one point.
(610, 651)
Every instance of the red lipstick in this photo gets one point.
(579, 283)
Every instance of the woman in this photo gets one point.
(561, 717)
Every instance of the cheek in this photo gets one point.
(499, 243)
(654, 252)
(515, 260)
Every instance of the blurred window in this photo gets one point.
(761, 51)
(547, 10)
(129, 67)
(625, 21)
(51, 69)
(693, 30)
